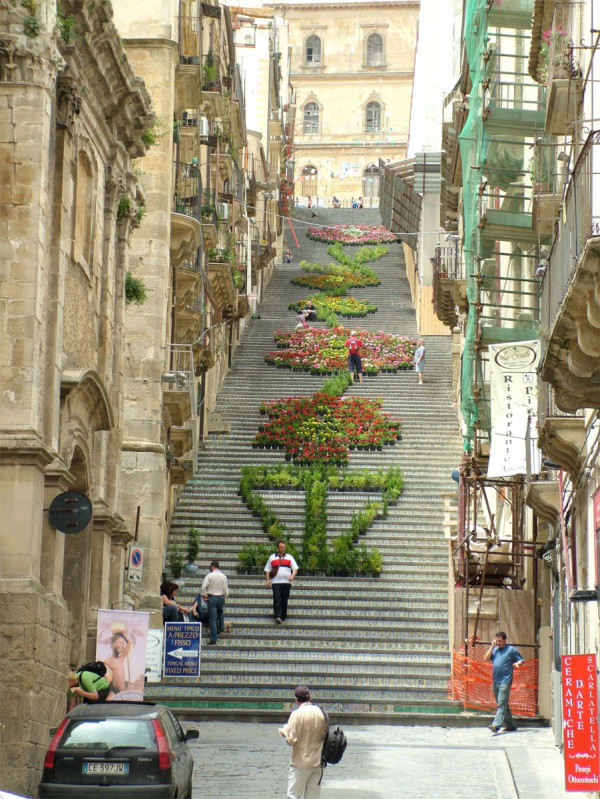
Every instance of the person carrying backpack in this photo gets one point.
(305, 731)
(89, 682)
(354, 346)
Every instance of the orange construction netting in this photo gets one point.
(471, 683)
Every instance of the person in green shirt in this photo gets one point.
(90, 686)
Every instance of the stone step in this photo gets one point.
(368, 645)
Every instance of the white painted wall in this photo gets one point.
(436, 71)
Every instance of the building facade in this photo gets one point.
(352, 68)
(73, 116)
(139, 222)
(522, 198)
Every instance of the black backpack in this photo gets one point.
(334, 744)
(95, 666)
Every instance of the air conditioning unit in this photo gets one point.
(223, 210)
(203, 127)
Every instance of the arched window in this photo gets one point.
(371, 181)
(373, 116)
(313, 51)
(311, 118)
(375, 50)
(310, 181)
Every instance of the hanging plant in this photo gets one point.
(135, 290)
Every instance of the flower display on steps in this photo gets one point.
(352, 234)
(322, 428)
(323, 350)
(344, 555)
(349, 271)
(343, 306)
(335, 277)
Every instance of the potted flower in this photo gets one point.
(191, 567)
(175, 561)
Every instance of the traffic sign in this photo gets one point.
(70, 512)
(136, 563)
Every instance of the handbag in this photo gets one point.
(273, 572)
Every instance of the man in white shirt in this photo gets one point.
(215, 591)
(305, 731)
(285, 568)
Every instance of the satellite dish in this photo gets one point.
(70, 512)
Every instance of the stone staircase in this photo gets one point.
(365, 646)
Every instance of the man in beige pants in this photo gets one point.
(305, 731)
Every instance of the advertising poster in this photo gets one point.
(580, 722)
(513, 392)
(154, 655)
(183, 642)
(121, 645)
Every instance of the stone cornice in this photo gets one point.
(121, 95)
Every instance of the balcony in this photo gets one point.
(222, 288)
(449, 285)
(543, 497)
(570, 296)
(562, 439)
(210, 222)
(189, 318)
(564, 81)
(178, 383)
(512, 106)
(188, 74)
(212, 86)
(515, 14)
(186, 230)
(189, 278)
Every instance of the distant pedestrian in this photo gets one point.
(336, 202)
(280, 571)
(360, 203)
(305, 731)
(309, 202)
(287, 256)
(505, 658)
(354, 346)
(354, 203)
(301, 317)
(310, 311)
(215, 591)
(419, 360)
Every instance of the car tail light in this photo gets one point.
(164, 754)
(50, 754)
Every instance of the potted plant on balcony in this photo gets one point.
(207, 209)
(210, 74)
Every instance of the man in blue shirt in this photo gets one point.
(504, 659)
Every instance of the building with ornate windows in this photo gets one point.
(139, 222)
(352, 70)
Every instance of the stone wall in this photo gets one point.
(34, 646)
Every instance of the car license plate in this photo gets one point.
(105, 767)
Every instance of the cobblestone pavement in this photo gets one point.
(246, 760)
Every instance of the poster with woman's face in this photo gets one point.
(121, 646)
